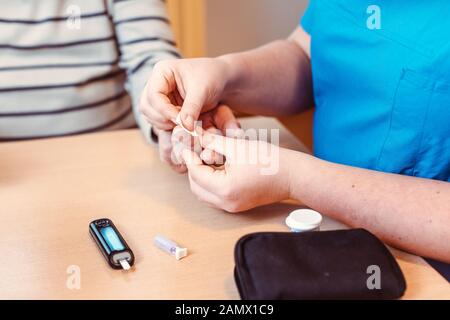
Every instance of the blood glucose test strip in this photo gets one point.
(111, 244)
(170, 247)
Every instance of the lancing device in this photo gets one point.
(111, 244)
(170, 247)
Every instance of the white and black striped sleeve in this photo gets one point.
(144, 37)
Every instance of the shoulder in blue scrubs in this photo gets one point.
(382, 91)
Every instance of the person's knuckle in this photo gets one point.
(182, 169)
(160, 66)
(153, 102)
(164, 157)
(165, 148)
(231, 206)
(210, 90)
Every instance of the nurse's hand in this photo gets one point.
(220, 120)
(253, 173)
(186, 86)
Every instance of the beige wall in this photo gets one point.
(188, 24)
(235, 25)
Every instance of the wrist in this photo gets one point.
(299, 167)
(285, 172)
(232, 74)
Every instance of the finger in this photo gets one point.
(191, 159)
(161, 103)
(152, 116)
(179, 168)
(224, 119)
(179, 135)
(177, 153)
(166, 151)
(182, 140)
(165, 126)
(207, 156)
(203, 175)
(192, 107)
(211, 157)
(175, 162)
(159, 89)
(221, 144)
(164, 145)
(227, 122)
(158, 121)
(214, 130)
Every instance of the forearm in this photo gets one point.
(407, 212)
(141, 43)
(272, 80)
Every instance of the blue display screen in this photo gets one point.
(112, 239)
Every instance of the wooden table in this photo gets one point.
(51, 189)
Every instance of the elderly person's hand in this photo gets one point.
(220, 120)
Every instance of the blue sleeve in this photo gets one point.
(307, 20)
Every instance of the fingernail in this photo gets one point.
(188, 122)
(233, 125)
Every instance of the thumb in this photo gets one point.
(190, 158)
(192, 107)
(203, 175)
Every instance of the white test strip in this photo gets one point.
(180, 123)
(125, 265)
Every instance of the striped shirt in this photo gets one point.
(77, 66)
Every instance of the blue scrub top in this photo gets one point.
(382, 84)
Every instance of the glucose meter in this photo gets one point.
(111, 244)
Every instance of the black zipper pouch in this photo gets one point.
(340, 264)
